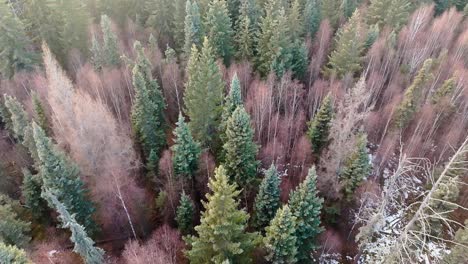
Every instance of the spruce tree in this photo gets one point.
(31, 190)
(192, 27)
(231, 102)
(15, 46)
(330, 9)
(280, 240)
(295, 20)
(97, 57)
(110, 46)
(184, 214)
(5, 116)
(267, 39)
(13, 231)
(267, 200)
(148, 106)
(179, 23)
(244, 35)
(312, 17)
(445, 90)
(39, 111)
(221, 235)
(347, 57)
(84, 245)
(76, 23)
(391, 13)
(240, 151)
(408, 106)
(356, 167)
(12, 255)
(204, 96)
(186, 151)
(160, 17)
(218, 30)
(306, 205)
(61, 177)
(320, 125)
(458, 253)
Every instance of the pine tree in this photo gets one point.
(76, 22)
(160, 17)
(231, 102)
(392, 13)
(13, 231)
(319, 126)
(240, 151)
(84, 245)
(458, 253)
(12, 255)
(148, 106)
(184, 214)
(244, 35)
(267, 200)
(221, 233)
(312, 17)
(110, 46)
(192, 27)
(280, 240)
(356, 167)
(31, 190)
(408, 106)
(346, 58)
(61, 177)
(204, 96)
(41, 116)
(306, 206)
(15, 47)
(218, 30)
(186, 151)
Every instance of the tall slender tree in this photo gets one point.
(391, 13)
(267, 200)
(186, 151)
(110, 46)
(231, 102)
(319, 127)
(280, 240)
(245, 32)
(192, 27)
(219, 31)
(356, 167)
(184, 214)
(13, 231)
(76, 21)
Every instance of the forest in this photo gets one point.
(233, 131)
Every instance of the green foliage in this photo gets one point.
(280, 240)
(15, 46)
(41, 116)
(240, 151)
(244, 35)
(356, 167)
(320, 125)
(221, 233)
(97, 57)
(170, 55)
(445, 90)
(160, 17)
(148, 106)
(76, 22)
(295, 20)
(349, 6)
(346, 58)
(186, 151)
(218, 30)
(372, 35)
(267, 200)
(13, 231)
(110, 47)
(231, 102)
(391, 13)
(12, 255)
(204, 96)
(161, 200)
(440, 6)
(184, 214)
(408, 106)
(179, 23)
(31, 190)
(61, 177)
(312, 17)
(306, 205)
(458, 253)
(5, 117)
(331, 10)
(84, 245)
(192, 27)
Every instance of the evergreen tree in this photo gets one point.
(15, 47)
(244, 36)
(39, 111)
(184, 214)
(446, 89)
(267, 200)
(45, 24)
(13, 231)
(97, 57)
(295, 20)
(392, 13)
(186, 151)
(204, 96)
(231, 102)
(60, 177)
(306, 206)
(110, 46)
(356, 167)
(12, 255)
(312, 17)
(346, 58)
(221, 233)
(440, 6)
(192, 27)
(31, 191)
(408, 106)
(372, 35)
(240, 150)
(458, 253)
(330, 9)
(319, 126)
(148, 106)
(218, 30)
(84, 245)
(280, 240)
(179, 23)
(267, 38)
(76, 23)
(5, 117)
(233, 7)
(160, 17)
